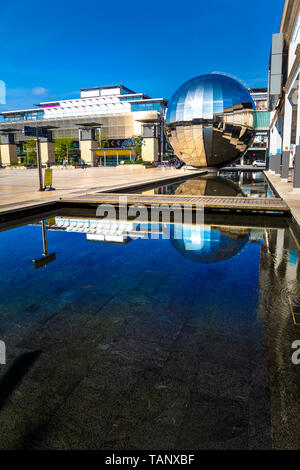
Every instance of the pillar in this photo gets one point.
(150, 149)
(277, 164)
(8, 150)
(296, 174)
(285, 165)
(298, 115)
(267, 159)
(47, 148)
(287, 124)
(47, 152)
(87, 139)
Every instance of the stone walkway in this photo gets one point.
(285, 191)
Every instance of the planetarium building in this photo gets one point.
(210, 120)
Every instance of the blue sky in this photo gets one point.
(51, 52)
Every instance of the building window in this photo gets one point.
(261, 119)
(146, 107)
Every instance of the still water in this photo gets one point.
(128, 343)
(234, 184)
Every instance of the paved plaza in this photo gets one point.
(21, 186)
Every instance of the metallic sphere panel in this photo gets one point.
(210, 120)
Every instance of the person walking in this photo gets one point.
(64, 163)
(82, 164)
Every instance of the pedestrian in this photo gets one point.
(64, 163)
(82, 164)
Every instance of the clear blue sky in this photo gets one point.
(49, 50)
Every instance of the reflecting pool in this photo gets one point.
(231, 184)
(119, 342)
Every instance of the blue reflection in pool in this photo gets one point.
(206, 244)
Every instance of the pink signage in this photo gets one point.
(50, 105)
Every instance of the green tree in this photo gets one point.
(102, 139)
(137, 142)
(63, 147)
(30, 152)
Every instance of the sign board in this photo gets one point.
(48, 177)
(51, 220)
(30, 131)
(39, 263)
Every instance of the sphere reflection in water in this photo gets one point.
(210, 120)
(208, 244)
(209, 186)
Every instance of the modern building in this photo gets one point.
(102, 122)
(283, 101)
(257, 150)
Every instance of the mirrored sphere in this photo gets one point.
(210, 120)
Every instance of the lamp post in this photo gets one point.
(39, 161)
(46, 257)
(37, 132)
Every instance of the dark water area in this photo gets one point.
(120, 342)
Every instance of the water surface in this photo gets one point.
(149, 343)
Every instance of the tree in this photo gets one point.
(30, 151)
(63, 147)
(102, 139)
(136, 143)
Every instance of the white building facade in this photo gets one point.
(115, 113)
(283, 90)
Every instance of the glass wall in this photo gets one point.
(261, 119)
(146, 107)
(30, 116)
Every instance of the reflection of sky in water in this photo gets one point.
(108, 268)
(293, 257)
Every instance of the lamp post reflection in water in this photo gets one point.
(46, 258)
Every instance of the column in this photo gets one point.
(87, 139)
(285, 165)
(150, 143)
(287, 124)
(298, 115)
(8, 150)
(47, 149)
(296, 175)
(277, 164)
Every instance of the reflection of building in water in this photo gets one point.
(252, 183)
(208, 244)
(105, 230)
(209, 186)
(279, 283)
